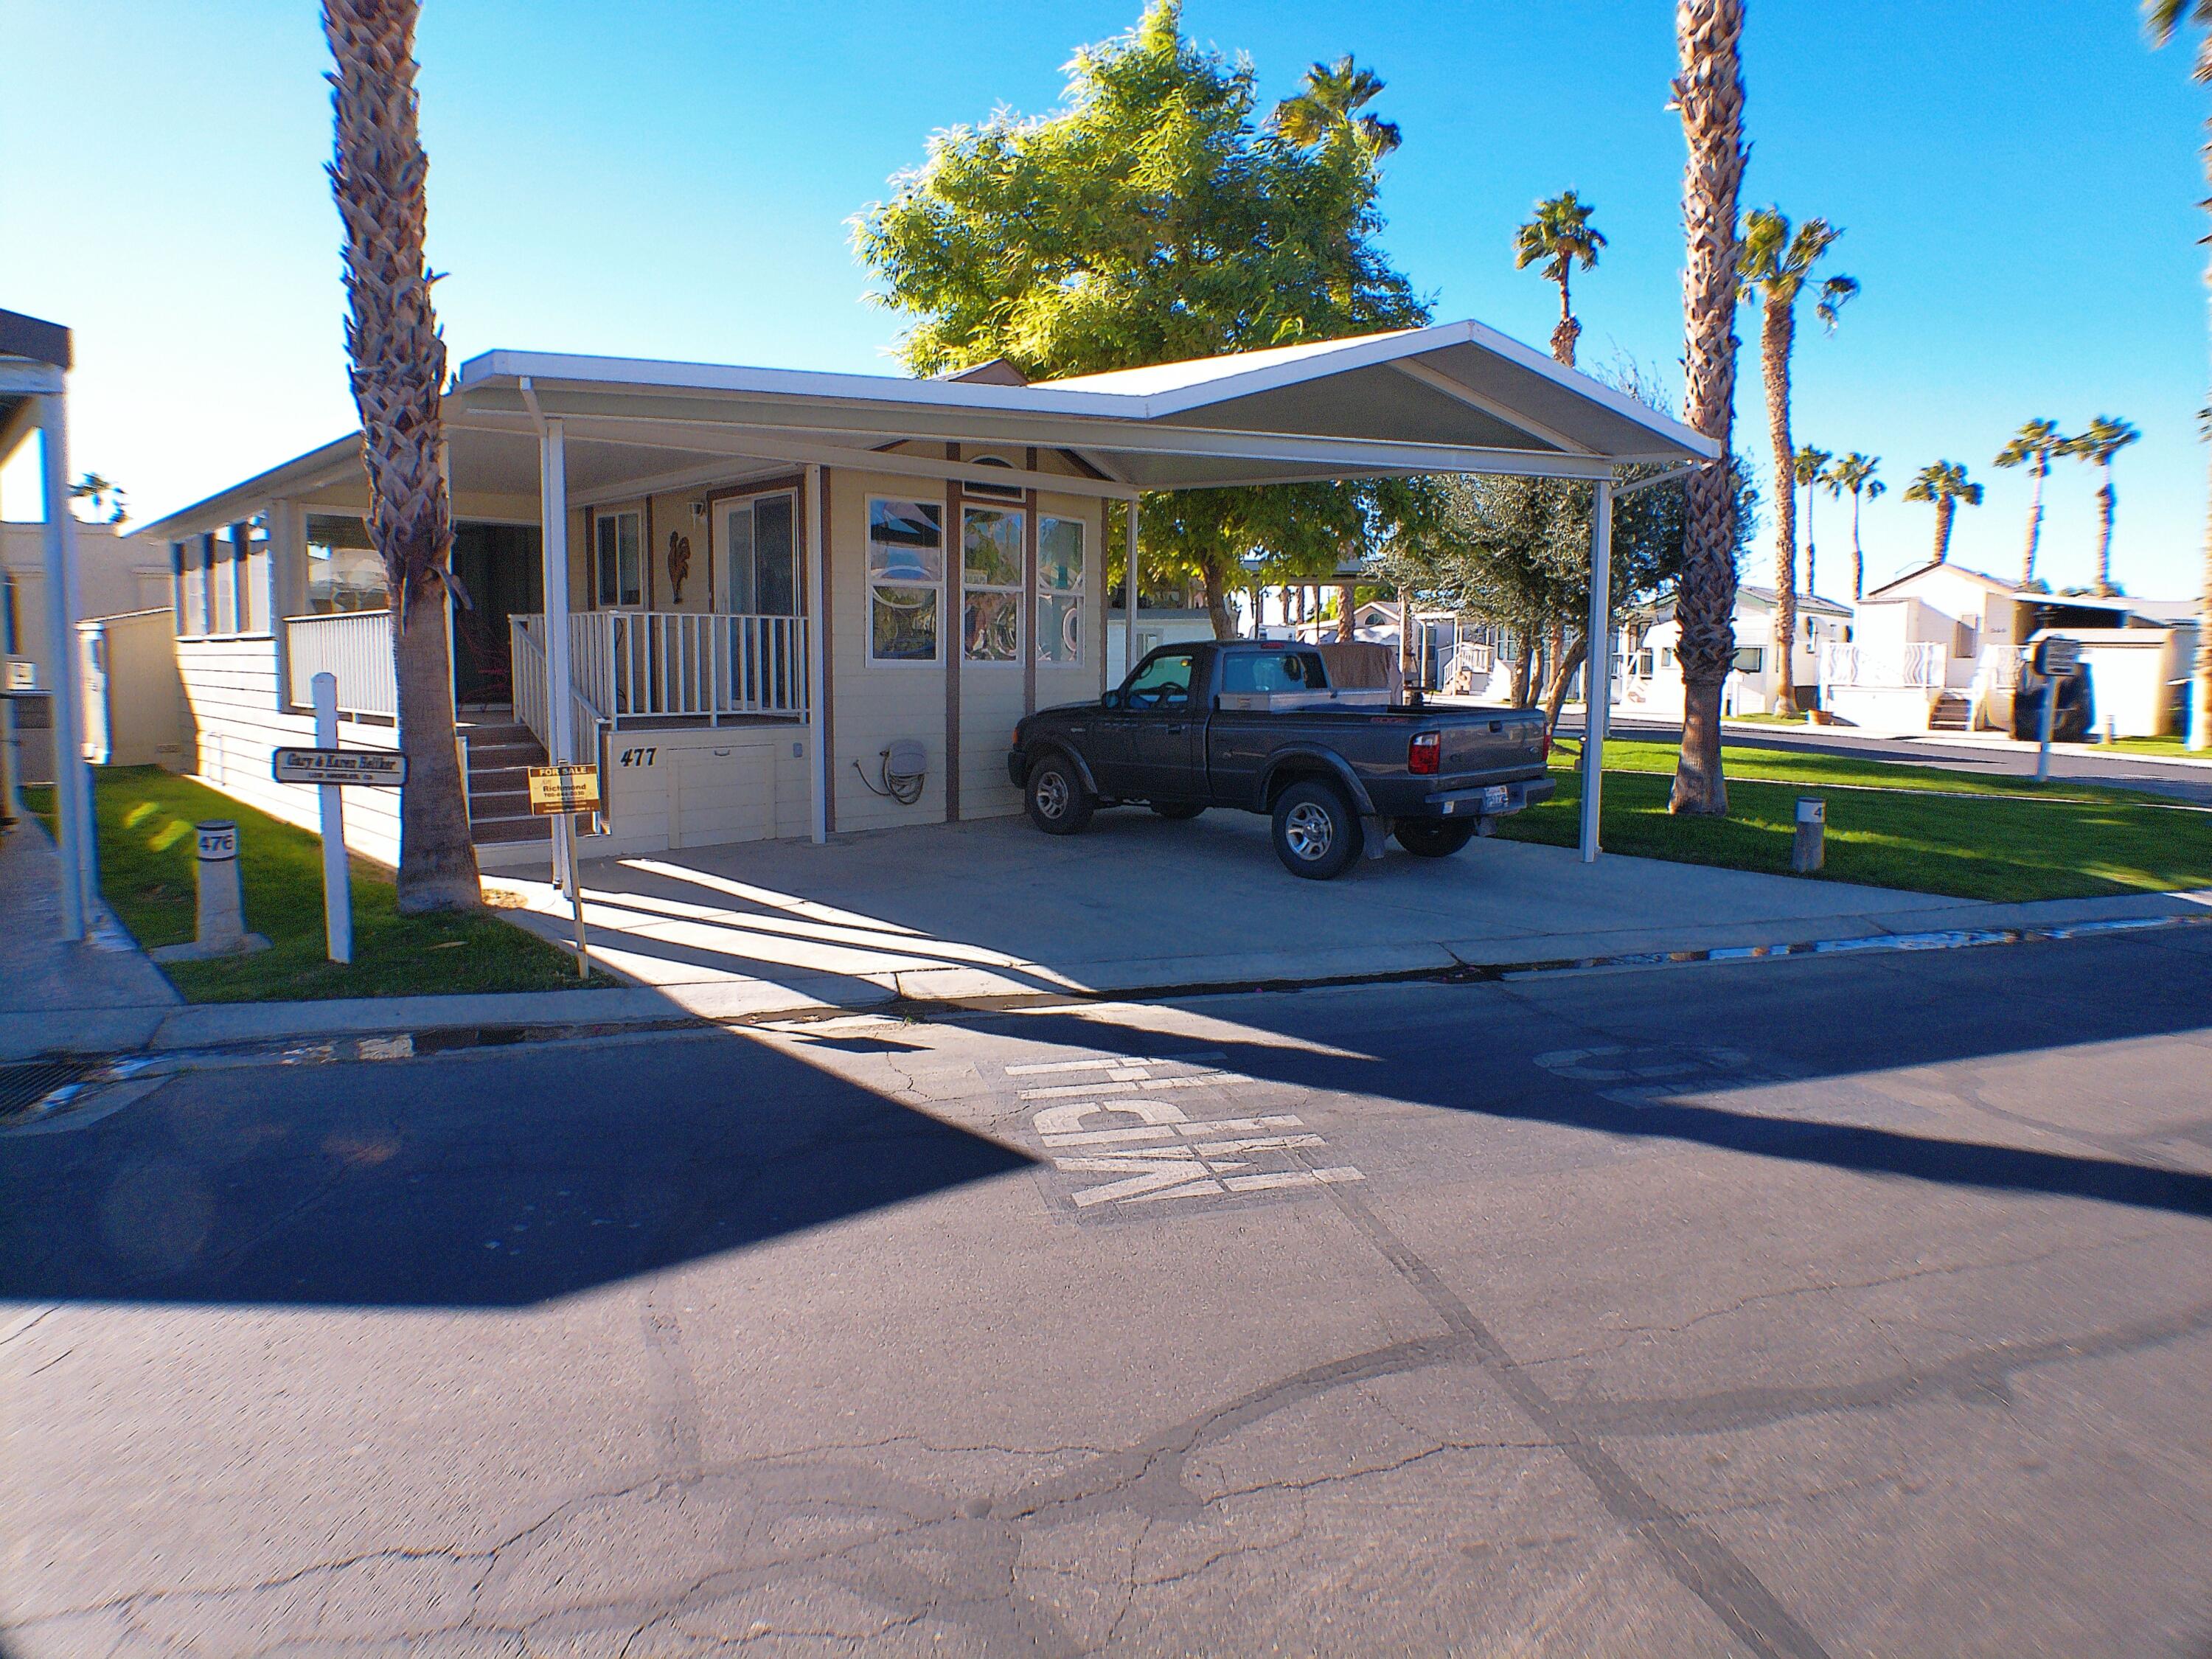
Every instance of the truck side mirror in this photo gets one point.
(1111, 699)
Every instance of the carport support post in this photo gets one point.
(73, 790)
(818, 607)
(1129, 604)
(1597, 669)
(553, 542)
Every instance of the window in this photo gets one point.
(1059, 590)
(760, 556)
(617, 542)
(991, 583)
(1750, 660)
(1005, 492)
(1272, 671)
(1162, 682)
(906, 578)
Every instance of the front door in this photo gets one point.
(756, 549)
(497, 565)
(1145, 747)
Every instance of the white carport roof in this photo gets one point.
(1455, 398)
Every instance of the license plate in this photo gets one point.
(1495, 798)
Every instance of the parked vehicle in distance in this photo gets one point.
(1254, 725)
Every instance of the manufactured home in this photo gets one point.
(739, 589)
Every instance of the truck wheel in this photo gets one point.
(1058, 803)
(1431, 838)
(1317, 834)
(1177, 810)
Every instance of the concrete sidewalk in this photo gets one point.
(981, 912)
(102, 994)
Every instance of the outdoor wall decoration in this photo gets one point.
(679, 564)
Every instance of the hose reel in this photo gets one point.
(903, 765)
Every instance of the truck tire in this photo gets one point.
(1178, 811)
(1317, 834)
(1433, 838)
(1058, 803)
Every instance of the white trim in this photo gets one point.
(23, 377)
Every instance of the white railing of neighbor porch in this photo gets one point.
(631, 665)
(355, 646)
(1918, 667)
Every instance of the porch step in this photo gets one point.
(486, 832)
(1952, 713)
(500, 756)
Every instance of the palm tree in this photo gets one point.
(398, 370)
(1946, 485)
(2033, 446)
(2107, 436)
(1774, 267)
(1855, 472)
(1809, 466)
(2163, 17)
(105, 494)
(1709, 94)
(1560, 237)
(1333, 95)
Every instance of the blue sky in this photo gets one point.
(672, 178)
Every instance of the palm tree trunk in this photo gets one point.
(398, 372)
(1777, 324)
(1346, 613)
(1709, 92)
(2035, 529)
(2107, 503)
(1858, 554)
(1944, 509)
(1566, 330)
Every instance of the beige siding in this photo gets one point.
(232, 723)
(877, 703)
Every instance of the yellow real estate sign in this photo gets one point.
(557, 789)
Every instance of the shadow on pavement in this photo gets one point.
(495, 1180)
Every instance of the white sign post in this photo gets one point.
(338, 875)
(2059, 657)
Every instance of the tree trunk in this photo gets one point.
(398, 372)
(2034, 528)
(1858, 554)
(1944, 509)
(2107, 501)
(1566, 658)
(1709, 92)
(1213, 576)
(1348, 612)
(1524, 666)
(1778, 324)
(1566, 330)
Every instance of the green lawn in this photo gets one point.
(2178, 746)
(2074, 843)
(146, 859)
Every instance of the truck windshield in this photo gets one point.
(1272, 670)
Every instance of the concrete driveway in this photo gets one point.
(1137, 904)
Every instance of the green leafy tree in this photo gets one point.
(1855, 472)
(2163, 17)
(2106, 436)
(1156, 216)
(1944, 484)
(1776, 265)
(1809, 468)
(1559, 238)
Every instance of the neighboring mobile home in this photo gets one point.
(1651, 684)
(762, 580)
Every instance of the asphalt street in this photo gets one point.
(1843, 1306)
(2119, 771)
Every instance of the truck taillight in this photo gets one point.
(1422, 754)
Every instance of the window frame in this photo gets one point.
(720, 548)
(1019, 515)
(614, 516)
(1078, 597)
(870, 584)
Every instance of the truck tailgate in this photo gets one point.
(1509, 742)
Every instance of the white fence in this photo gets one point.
(1915, 667)
(526, 675)
(355, 646)
(628, 665)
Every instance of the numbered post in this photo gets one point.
(337, 874)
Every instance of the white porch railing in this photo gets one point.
(355, 646)
(632, 665)
(1890, 668)
(527, 677)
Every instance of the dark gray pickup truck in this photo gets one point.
(1256, 725)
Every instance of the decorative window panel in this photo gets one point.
(906, 579)
(991, 583)
(1059, 590)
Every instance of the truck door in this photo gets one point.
(1167, 730)
(1111, 747)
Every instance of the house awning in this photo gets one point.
(1455, 398)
